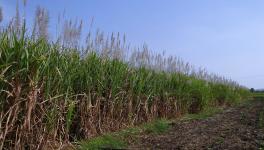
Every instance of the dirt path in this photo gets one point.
(235, 128)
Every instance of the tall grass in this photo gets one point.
(52, 94)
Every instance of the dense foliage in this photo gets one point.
(51, 94)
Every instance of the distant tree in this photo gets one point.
(259, 91)
(252, 90)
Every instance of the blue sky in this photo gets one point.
(224, 36)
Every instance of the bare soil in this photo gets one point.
(237, 128)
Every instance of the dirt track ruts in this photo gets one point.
(235, 128)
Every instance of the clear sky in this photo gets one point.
(224, 36)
